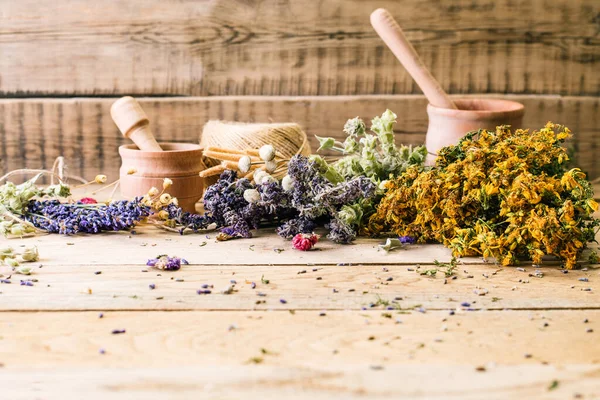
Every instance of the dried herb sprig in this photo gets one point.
(375, 156)
(501, 194)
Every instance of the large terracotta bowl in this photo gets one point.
(180, 162)
(448, 126)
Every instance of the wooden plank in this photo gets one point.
(354, 355)
(264, 248)
(302, 339)
(432, 382)
(85, 276)
(34, 132)
(316, 47)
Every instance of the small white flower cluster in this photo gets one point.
(158, 199)
(266, 154)
(8, 256)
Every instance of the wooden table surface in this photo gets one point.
(342, 321)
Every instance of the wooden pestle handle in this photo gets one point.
(133, 123)
(388, 29)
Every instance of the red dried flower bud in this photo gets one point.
(88, 200)
(304, 241)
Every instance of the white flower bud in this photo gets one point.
(251, 195)
(244, 164)
(287, 183)
(6, 252)
(165, 198)
(153, 191)
(259, 175)
(163, 214)
(17, 230)
(23, 270)
(30, 254)
(167, 183)
(267, 152)
(271, 166)
(100, 179)
(11, 262)
(267, 179)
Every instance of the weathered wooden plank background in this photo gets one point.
(544, 53)
(34, 132)
(291, 47)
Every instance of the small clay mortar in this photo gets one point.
(180, 162)
(447, 126)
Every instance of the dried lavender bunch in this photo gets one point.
(319, 195)
(175, 217)
(237, 206)
(14, 200)
(71, 218)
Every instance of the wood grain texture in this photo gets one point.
(182, 382)
(35, 131)
(79, 274)
(302, 339)
(354, 355)
(309, 47)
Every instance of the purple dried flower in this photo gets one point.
(407, 239)
(66, 218)
(165, 262)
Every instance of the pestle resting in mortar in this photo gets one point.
(449, 120)
(146, 163)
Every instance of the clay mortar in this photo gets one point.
(180, 162)
(447, 126)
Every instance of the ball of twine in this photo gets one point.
(287, 138)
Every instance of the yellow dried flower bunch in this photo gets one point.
(496, 194)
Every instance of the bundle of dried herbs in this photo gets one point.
(375, 156)
(496, 194)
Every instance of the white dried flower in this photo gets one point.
(259, 175)
(17, 230)
(11, 262)
(287, 183)
(244, 164)
(153, 191)
(267, 152)
(267, 179)
(100, 179)
(167, 183)
(163, 214)
(6, 252)
(30, 254)
(271, 166)
(165, 198)
(251, 195)
(23, 270)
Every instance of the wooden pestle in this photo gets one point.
(388, 29)
(133, 123)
